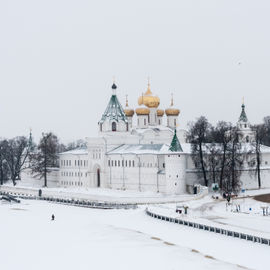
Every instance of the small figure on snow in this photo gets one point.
(53, 217)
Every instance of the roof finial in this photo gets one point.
(172, 100)
(243, 100)
(126, 100)
(114, 86)
(148, 92)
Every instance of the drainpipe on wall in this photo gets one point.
(123, 172)
(105, 165)
(110, 171)
(157, 174)
(139, 171)
(79, 169)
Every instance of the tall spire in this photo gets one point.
(114, 110)
(30, 141)
(243, 115)
(175, 144)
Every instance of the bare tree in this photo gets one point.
(76, 144)
(15, 154)
(235, 156)
(260, 135)
(4, 171)
(45, 157)
(221, 134)
(266, 138)
(198, 136)
(212, 162)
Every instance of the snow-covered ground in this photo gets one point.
(83, 238)
(102, 194)
(249, 219)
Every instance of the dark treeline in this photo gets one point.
(219, 154)
(20, 153)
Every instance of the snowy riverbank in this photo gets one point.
(83, 239)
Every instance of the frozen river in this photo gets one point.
(81, 238)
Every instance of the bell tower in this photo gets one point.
(246, 134)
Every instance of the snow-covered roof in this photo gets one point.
(151, 128)
(145, 149)
(161, 149)
(246, 148)
(140, 149)
(77, 151)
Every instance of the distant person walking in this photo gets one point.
(53, 217)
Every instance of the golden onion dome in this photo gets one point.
(142, 110)
(172, 111)
(148, 99)
(160, 112)
(128, 111)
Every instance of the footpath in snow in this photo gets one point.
(207, 211)
(102, 194)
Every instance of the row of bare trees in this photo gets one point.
(13, 155)
(219, 156)
(21, 153)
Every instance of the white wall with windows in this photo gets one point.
(73, 168)
(136, 172)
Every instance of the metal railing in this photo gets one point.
(73, 202)
(247, 237)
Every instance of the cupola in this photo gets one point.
(171, 111)
(148, 99)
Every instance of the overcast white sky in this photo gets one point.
(58, 58)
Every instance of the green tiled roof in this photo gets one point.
(175, 144)
(114, 111)
(243, 116)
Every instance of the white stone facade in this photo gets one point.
(138, 157)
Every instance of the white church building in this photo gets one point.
(150, 156)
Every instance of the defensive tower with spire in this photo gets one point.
(175, 168)
(246, 134)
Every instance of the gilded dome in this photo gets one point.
(148, 99)
(128, 111)
(172, 111)
(142, 110)
(160, 112)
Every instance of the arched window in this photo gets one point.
(145, 122)
(100, 127)
(247, 139)
(113, 126)
(175, 122)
